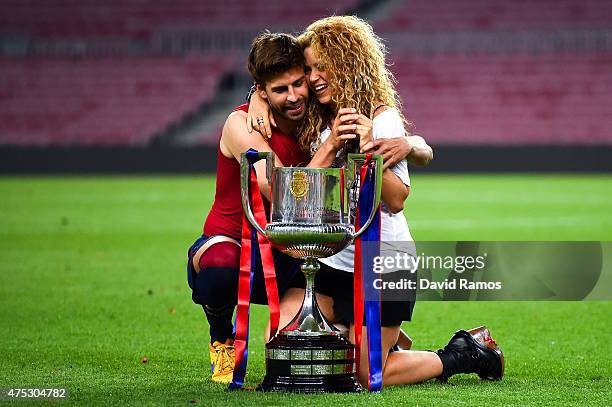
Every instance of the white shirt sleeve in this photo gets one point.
(389, 124)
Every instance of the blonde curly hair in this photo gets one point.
(354, 58)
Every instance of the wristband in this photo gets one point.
(250, 93)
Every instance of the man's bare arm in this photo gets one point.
(413, 148)
(236, 139)
(421, 153)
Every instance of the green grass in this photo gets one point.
(92, 278)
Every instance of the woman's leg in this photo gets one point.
(409, 367)
(401, 367)
(464, 353)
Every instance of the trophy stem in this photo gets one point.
(310, 318)
(309, 355)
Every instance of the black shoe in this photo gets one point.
(464, 354)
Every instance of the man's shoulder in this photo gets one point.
(236, 120)
(236, 138)
(242, 108)
(239, 111)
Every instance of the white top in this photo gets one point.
(394, 228)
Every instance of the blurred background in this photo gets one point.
(145, 85)
(93, 293)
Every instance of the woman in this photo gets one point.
(355, 97)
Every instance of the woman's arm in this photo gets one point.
(394, 191)
(259, 116)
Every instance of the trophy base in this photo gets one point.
(300, 362)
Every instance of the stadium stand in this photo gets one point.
(503, 72)
(508, 99)
(486, 15)
(142, 19)
(101, 101)
(119, 72)
(85, 72)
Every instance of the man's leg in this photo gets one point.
(214, 283)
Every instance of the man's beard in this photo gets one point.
(283, 112)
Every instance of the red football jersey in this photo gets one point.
(225, 216)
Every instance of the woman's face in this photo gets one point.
(316, 77)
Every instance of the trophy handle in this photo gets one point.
(350, 180)
(245, 178)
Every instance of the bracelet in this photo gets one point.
(250, 93)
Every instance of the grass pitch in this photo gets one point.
(92, 279)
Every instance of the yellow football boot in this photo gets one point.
(222, 360)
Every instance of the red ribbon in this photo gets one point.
(247, 258)
(358, 277)
(267, 260)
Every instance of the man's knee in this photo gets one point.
(216, 286)
(216, 281)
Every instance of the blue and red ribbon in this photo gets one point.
(251, 240)
(363, 284)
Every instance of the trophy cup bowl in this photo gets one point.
(311, 212)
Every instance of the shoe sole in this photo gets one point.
(479, 334)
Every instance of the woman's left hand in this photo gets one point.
(364, 131)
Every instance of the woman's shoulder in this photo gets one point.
(385, 113)
(388, 118)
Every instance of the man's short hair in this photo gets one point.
(272, 54)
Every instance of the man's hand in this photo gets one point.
(393, 150)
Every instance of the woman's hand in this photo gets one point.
(259, 116)
(364, 131)
(348, 125)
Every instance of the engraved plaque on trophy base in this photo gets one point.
(310, 364)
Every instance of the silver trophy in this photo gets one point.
(311, 217)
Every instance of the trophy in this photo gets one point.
(310, 220)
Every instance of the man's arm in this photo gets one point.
(413, 148)
(235, 140)
(421, 153)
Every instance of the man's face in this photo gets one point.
(287, 94)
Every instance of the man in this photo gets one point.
(277, 65)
